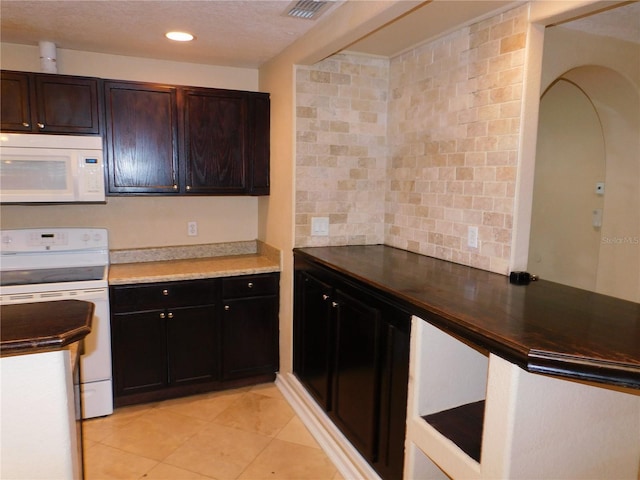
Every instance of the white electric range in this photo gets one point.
(49, 264)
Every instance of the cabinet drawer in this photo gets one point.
(250, 285)
(128, 298)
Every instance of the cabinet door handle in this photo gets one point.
(170, 315)
(250, 284)
(26, 124)
(41, 125)
(175, 187)
(162, 315)
(227, 307)
(325, 296)
(165, 292)
(188, 187)
(334, 304)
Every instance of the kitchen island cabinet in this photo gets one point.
(506, 381)
(50, 103)
(41, 431)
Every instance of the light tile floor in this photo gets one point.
(247, 433)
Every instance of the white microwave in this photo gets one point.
(37, 168)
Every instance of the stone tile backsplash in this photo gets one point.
(341, 149)
(412, 151)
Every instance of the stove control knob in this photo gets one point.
(86, 237)
(97, 237)
(6, 239)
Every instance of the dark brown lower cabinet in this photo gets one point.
(139, 345)
(173, 339)
(249, 326)
(351, 352)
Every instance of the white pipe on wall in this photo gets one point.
(48, 62)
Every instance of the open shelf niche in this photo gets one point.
(447, 391)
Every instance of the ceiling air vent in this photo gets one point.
(307, 9)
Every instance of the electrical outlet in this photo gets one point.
(192, 229)
(472, 237)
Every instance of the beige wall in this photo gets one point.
(608, 73)
(138, 221)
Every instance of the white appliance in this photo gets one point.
(50, 168)
(49, 264)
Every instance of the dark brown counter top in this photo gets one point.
(543, 327)
(43, 326)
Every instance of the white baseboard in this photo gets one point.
(344, 456)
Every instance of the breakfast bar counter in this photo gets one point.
(39, 327)
(543, 327)
(504, 381)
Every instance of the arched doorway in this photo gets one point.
(583, 235)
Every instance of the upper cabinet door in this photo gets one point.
(141, 138)
(43, 103)
(66, 104)
(215, 141)
(16, 102)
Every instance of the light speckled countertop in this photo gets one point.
(164, 264)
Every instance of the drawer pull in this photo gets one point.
(162, 315)
(334, 304)
(26, 124)
(165, 292)
(170, 315)
(250, 284)
(41, 126)
(325, 296)
(227, 308)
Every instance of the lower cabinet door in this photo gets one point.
(140, 352)
(313, 344)
(249, 337)
(393, 406)
(192, 345)
(357, 373)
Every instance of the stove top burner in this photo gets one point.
(51, 275)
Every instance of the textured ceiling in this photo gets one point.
(235, 32)
(622, 23)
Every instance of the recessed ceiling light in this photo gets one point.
(179, 36)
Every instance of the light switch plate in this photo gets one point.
(319, 226)
(472, 237)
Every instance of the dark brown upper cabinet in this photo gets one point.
(186, 140)
(141, 138)
(49, 103)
